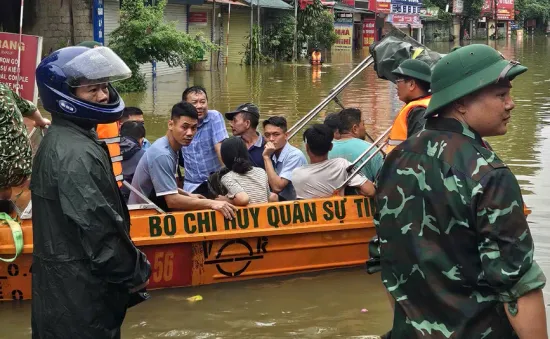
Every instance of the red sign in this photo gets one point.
(505, 10)
(31, 48)
(369, 31)
(403, 20)
(198, 18)
(350, 3)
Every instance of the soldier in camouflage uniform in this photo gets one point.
(15, 148)
(456, 250)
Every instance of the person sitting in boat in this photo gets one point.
(202, 157)
(86, 270)
(322, 176)
(280, 158)
(134, 114)
(16, 155)
(352, 142)
(245, 184)
(155, 175)
(413, 88)
(455, 248)
(132, 135)
(244, 123)
(332, 120)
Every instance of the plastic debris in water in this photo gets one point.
(364, 310)
(195, 298)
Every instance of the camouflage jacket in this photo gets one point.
(454, 242)
(15, 149)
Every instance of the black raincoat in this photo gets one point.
(84, 263)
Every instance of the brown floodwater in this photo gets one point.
(324, 304)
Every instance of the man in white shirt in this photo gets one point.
(322, 176)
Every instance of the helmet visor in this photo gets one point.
(96, 66)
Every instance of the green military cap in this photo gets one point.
(90, 44)
(415, 69)
(466, 70)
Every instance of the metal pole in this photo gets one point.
(333, 93)
(259, 34)
(251, 31)
(294, 47)
(19, 48)
(214, 29)
(227, 43)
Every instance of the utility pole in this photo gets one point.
(496, 22)
(294, 47)
(259, 34)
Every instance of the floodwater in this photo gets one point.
(326, 304)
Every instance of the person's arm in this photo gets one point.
(102, 231)
(235, 192)
(530, 321)
(29, 111)
(219, 133)
(415, 121)
(366, 187)
(276, 183)
(164, 182)
(506, 253)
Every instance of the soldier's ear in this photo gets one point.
(459, 106)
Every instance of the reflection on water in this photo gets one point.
(321, 305)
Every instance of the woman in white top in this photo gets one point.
(245, 184)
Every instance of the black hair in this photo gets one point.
(193, 89)
(235, 155)
(423, 85)
(319, 137)
(184, 109)
(254, 120)
(128, 111)
(348, 118)
(133, 129)
(332, 120)
(276, 121)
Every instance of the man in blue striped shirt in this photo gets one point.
(202, 157)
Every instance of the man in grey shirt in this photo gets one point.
(322, 176)
(155, 175)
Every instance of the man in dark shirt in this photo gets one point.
(456, 251)
(132, 135)
(244, 121)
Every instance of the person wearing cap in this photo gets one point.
(455, 248)
(244, 121)
(413, 88)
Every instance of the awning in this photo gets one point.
(278, 4)
(228, 2)
(344, 8)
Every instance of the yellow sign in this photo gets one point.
(345, 33)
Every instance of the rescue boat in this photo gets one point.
(202, 247)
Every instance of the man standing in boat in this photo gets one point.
(86, 269)
(456, 250)
(244, 123)
(413, 88)
(202, 157)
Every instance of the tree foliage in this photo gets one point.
(532, 9)
(144, 36)
(316, 26)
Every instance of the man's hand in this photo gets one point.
(269, 149)
(142, 286)
(198, 196)
(225, 208)
(40, 121)
(222, 198)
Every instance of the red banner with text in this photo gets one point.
(31, 48)
(369, 31)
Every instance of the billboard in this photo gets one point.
(31, 49)
(345, 33)
(369, 31)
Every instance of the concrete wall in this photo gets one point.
(53, 23)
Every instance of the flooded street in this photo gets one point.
(326, 304)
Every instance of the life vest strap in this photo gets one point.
(393, 142)
(17, 234)
(110, 140)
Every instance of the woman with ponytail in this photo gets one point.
(244, 183)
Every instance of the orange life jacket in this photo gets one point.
(398, 132)
(315, 58)
(109, 134)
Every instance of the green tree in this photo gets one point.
(532, 9)
(316, 26)
(143, 36)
